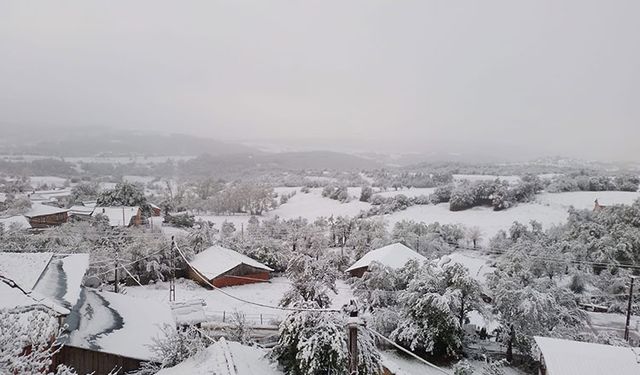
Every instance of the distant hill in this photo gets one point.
(70, 143)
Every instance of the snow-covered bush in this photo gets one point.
(463, 368)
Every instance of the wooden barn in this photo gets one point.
(110, 330)
(395, 256)
(224, 267)
(155, 210)
(43, 216)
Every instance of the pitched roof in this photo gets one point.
(217, 260)
(50, 280)
(24, 269)
(566, 357)
(226, 358)
(117, 214)
(43, 210)
(395, 256)
(80, 210)
(117, 324)
(62, 279)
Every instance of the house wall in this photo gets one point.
(46, 221)
(86, 361)
(358, 272)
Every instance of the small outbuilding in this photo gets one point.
(123, 216)
(43, 216)
(225, 267)
(562, 357)
(395, 256)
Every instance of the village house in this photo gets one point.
(562, 357)
(155, 210)
(109, 330)
(43, 216)
(395, 256)
(123, 216)
(224, 267)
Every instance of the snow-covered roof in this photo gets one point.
(226, 358)
(395, 256)
(189, 312)
(13, 299)
(117, 324)
(217, 260)
(42, 210)
(566, 357)
(80, 210)
(118, 216)
(62, 279)
(24, 269)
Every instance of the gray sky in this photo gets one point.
(553, 77)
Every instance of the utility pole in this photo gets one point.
(172, 278)
(626, 327)
(352, 327)
(116, 269)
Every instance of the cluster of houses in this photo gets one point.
(106, 330)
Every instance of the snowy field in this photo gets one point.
(218, 304)
(412, 192)
(49, 180)
(549, 209)
(585, 199)
(485, 177)
(485, 218)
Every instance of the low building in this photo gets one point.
(43, 216)
(395, 256)
(563, 357)
(123, 216)
(110, 330)
(81, 212)
(225, 267)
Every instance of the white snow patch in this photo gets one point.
(24, 269)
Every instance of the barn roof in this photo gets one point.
(117, 214)
(568, 357)
(47, 279)
(226, 358)
(80, 210)
(24, 268)
(217, 260)
(395, 256)
(117, 324)
(43, 210)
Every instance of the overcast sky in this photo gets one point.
(554, 77)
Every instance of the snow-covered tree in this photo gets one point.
(27, 341)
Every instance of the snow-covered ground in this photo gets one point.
(412, 192)
(401, 364)
(477, 264)
(485, 218)
(485, 177)
(219, 304)
(585, 199)
(49, 180)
